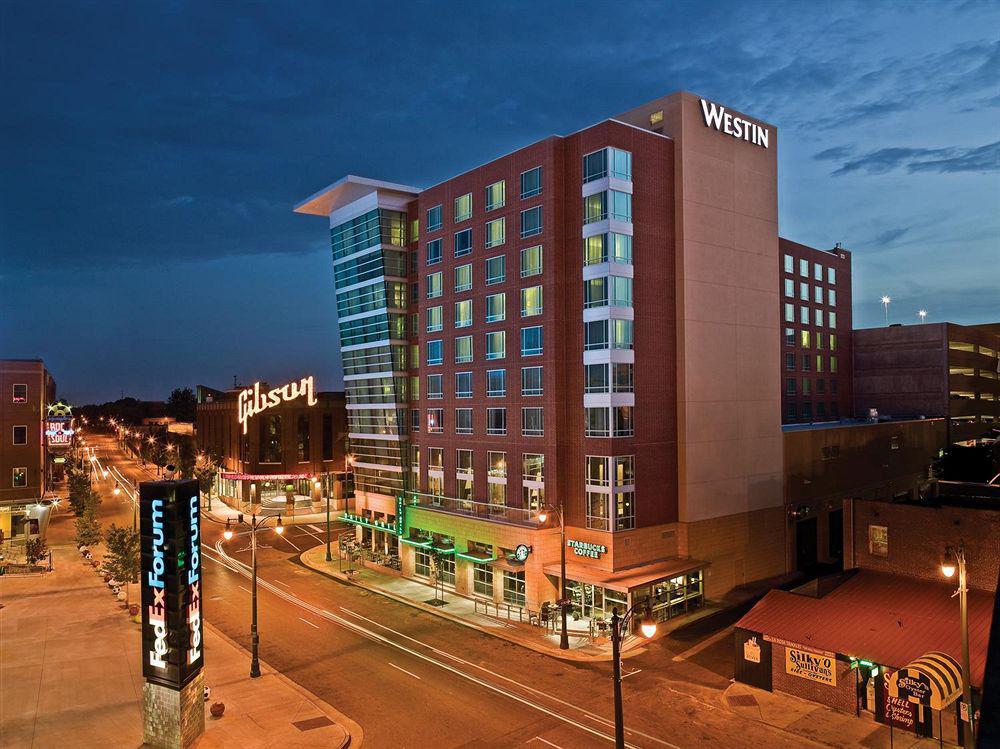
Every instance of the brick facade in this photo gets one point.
(842, 696)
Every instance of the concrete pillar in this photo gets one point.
(173, 719)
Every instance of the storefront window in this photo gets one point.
(482, 580)
(422, 563)
(513, 587)
(594, 601)
(302, 444)
(674, 597)
(446, 568)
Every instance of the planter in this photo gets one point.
(94, 563)
(133, 609)
(217, 709)
(122, 596)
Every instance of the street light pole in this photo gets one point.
(619, 625)
(955, 558)
(329, 557)
(563, 601)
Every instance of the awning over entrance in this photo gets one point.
(630, 579)
(934, 679)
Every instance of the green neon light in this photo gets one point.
(374, 524)
(477, 560)
(439, 550)
(421, 544)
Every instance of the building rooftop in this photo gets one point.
(841, 423)
(345, 191)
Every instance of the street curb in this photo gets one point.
(354, 733)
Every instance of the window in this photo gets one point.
(531, 301)
(624, 510)
(818, 314)
(595, 377)
(463, 384)
(414, 324)
(435, 421)
(463, 207)
(496, 232)
(878, 541)
(803, 268)
(621, 334)
(790, 386)
(595, 249)
(463, 278)
(496, 383)
(805, 386)
(804, 337)
(789, 287)
(830, 452)
(513, 587)
(832, 321)
(620, 205)
(496, 195)
(532, 422)
(790, 361)
(806, 363)
(531, 182)
(434, 252)
(818, 294)
(463, 421)
(463, 349)
(598, 510)
(804, 315)
(482, 580)
(595, 165)
(414, 292)
(819, 362)
(496, 421)
(463, 461)
(595, 335)
(20, 436)
(496, 270)
(789, 264)
(817, 272)
(531, 222)
(831, 276)
(414, 357)
(620, 248)
(596, 471)
(435, 458)
(269, 448)
(806, 407)
(804, 292)
(791, 412)
(497, 462)
(789, 336)
(531, 381)
(623, 425)
(620, 289)
(820, 386)
(19, 394)
(434, 288)
(415, 230)
(595, 207)
(596, 423)
(434, 387)
(833, 364)
(19, 477)
(789, 312)
(531, 341)
(820, 341)
(496, 345)
(434, 218)
(620, 164)
(622, 378)
(533, 467)
(463, 242)
(463, 313)
(496, 306)
(831, 298)
(435, 353)
(415, 419)
(595, 292)
(434, 319)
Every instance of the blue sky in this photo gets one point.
(152, 152)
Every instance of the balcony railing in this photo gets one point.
(480, 510)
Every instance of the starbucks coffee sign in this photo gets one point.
(586, 549)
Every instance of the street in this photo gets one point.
(412, 679)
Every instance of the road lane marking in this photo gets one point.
(539, 738)
(281, 583)
(703, 644)
(399, 668)
(318, 530)
(313, 625)
(242, 588)
(289, 541)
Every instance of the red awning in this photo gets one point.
(887, 619)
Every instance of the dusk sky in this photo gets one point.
(152, 152)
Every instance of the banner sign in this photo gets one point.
(811, 666)
(897, 711)
(59, 431)
(170, 581)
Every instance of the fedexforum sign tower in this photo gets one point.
(172, 638)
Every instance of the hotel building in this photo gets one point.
(588, 324)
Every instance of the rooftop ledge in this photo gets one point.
(346, 190)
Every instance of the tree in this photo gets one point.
(182, 404)
(122, 557)
(185, 457)
(206, 471)
(34, 550)
(81, 493)
(88, 528)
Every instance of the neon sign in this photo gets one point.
(253, 402)
(587, 549)
(58, 432)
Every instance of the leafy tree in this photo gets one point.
(81, 493)
(185, 457)
(35, 550)
(182, 404)
(122, 557)
(206, 472)
(88, 528)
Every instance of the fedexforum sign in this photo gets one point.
(716, 116)
(252, 401)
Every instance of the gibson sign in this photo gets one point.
(252, 401)
(717, 117)
(170, 531)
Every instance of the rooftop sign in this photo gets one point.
(252, 401)
(716, 116)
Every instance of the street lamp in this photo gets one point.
(954, 560)
(329, 556)
(886, 299)
(254, 525)
(563, 602)
(922, 314)
(619, 625)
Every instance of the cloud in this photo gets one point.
(983, 159)
(836, 153)
(890, 235)
(886, 159)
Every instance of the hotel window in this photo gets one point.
(596, 471)
(435, 353)
(513, 588)
(790, 361)
(463, 313)
(833, 364)
(831, 276)
(414, 292)
(20, 435)
(415, 324)
(532, 422)
(832, 321)
(789, 312)
(831, 298)
(531, 381)
(791, 411)
(414, 419)
(805, 386)
(463, 278)
(624, 426)
(620, 205)
(620, 291)
(607, 161)
(302, 441)
(598, 506)
(531, 341)
(435, 458)
(496, 383)
(415, 230)
(414, 357)
(19, 477)
(595, 335)
(595, 377)
(434, 252)
(595, 249)
(533, 467)
(496, 345)
(595, 207)
(621, 334)
(819, 362)
(804, 336)
(497, 461)
(790, 386)
(463, 421)
(496, 232)
(620, 164)
(496, 195)
(414, 260)
(804, 292)
(496, 421)
(463, 207)
(624, 510)
(804, 315)
(434, 218)
(531, 301)
(531, 182)
(807, 411)
(820, 341)
(435, 421)
(270, 439)
(789, 336)
(463, 461)
(435, 388)
(463, 349)
(434, 288)
(496, 270)
(496, 307)
(463, 384)
(531, 222)
(596, 423)
(820, 387)
(789, 264)
(818, 294)
(19, 393)
(821, 411)
(625, 470)
(434, 319)
(817, 272)
(463, 242)
(595, 292)
(595, 165)
(804, 268)
(818, 315)
(622, 378)
(806, 363)
(531, 261)
(482, 580)
(878, 541)
(789, 288)
(620, 248)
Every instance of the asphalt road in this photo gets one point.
(414, 680)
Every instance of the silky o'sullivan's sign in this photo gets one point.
(812, 666)
(253, 401)
(726, 122)
(170, 539)
(586, 549)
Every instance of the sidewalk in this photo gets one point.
(71, 675)
(818, 723)
(221, 512)
(463, 610)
